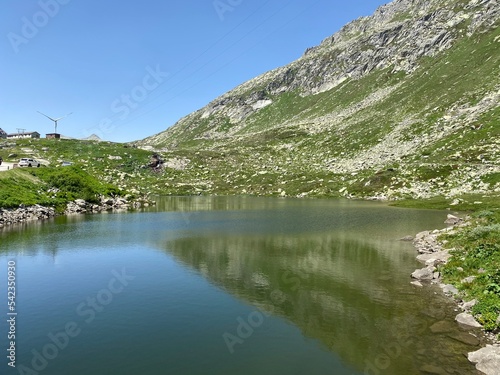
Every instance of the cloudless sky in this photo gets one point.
(130, 69)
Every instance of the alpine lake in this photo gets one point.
(228, 285)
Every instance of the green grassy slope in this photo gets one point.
(432, 133)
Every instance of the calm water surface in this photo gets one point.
(229, 286)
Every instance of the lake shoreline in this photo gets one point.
(433, 253)
(37, 212)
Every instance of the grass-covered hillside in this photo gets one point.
(97, 169)
(400, 105)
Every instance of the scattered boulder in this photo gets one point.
(80, 203)
(452, 219)
(467, 306)
(426, 273)
(416, 283)
(467, 320)
(439, 257)
(487, 359)
(155, 161)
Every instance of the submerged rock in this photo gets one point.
(442, 327)
(406, 239)
(431, 369)
(465, 338)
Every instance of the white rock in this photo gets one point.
(467, 319)
(469, 305)
(487, 359)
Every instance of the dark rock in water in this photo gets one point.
(431, 369)
(442, 327)
(465, 338)
(406, 239)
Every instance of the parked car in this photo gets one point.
(26, 162)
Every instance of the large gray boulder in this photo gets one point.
(426, 273)
(468, 320)
(487, 359)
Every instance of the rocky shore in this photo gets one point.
(432, 254)
(79, 206)
(25, 214)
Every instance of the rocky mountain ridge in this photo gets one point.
(401, 89)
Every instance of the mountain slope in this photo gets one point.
(404, 103)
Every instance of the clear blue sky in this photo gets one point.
(131, 69)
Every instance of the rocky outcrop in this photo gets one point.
(396, 37)
(25, 214)
(408, 86)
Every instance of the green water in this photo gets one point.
(228, 286)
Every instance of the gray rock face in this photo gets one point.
(396, 36)
(487, 359)
(468, 320)
(453, 220)
(424, 273)
(434, 258)
(80, 206)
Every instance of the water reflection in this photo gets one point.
(348, 293)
